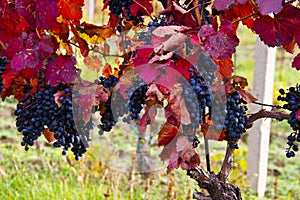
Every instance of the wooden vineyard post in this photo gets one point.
(259, 134)
(91, 9)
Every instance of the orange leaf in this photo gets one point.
(71, 9)
(225, 66)
(239, 80)
(49, 135)
(210, 132)
(290, 47)
(247, 96)
(93, 62)
(167, 133)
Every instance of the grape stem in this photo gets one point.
(96, 51)
(244, 18)
(145, 9)
(263, 104)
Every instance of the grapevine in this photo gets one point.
(177, 57)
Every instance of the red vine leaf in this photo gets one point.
(174, 161)
(141, 6)
(296, 62)
(147, 118)
(266, 6)
(238, 11)
(280, 30)
(8, 77)
(219, 44)
(180, 16)
(225, 67)
(11, 24)
(167, 133)
(290, 47)
(143, 55)
(176, 108)
(25, 58)
(61, 69)
(222, 4)
(83, 45)
(71, 9)
(62, 30)
(47, 46)
(35, 13)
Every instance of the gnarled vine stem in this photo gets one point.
(217, 185)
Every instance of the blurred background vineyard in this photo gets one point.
(43, 173)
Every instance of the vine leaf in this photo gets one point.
(8, 77)
(239, 11)
(266, 7)
(141, 6)
(296, 62)
(61, 69)
(93, 62)
(71, 9)
(49, 135)
(176, 111)
(225, 67)
(83, 45)
(180, 152)
(143, 56)
(12, 24)
(210, 132)
(280, 30)
(180, 16)
(219, 44)
(223, 4)
(95, 33)
(247, 96)
(147, 118)
(167, 133)
(90, 94)
(25, 58)
(36, 15)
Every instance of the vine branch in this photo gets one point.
(278, 115)
(263, 104)
(227, 164)
(243, 18)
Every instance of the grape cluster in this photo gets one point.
(137, 96)
(39, 111)
(108, 120)
(206, 67)
(116, 7)
(109, 81)
(3, 63)
(292, 103)
(235, 119)
(197, 96)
